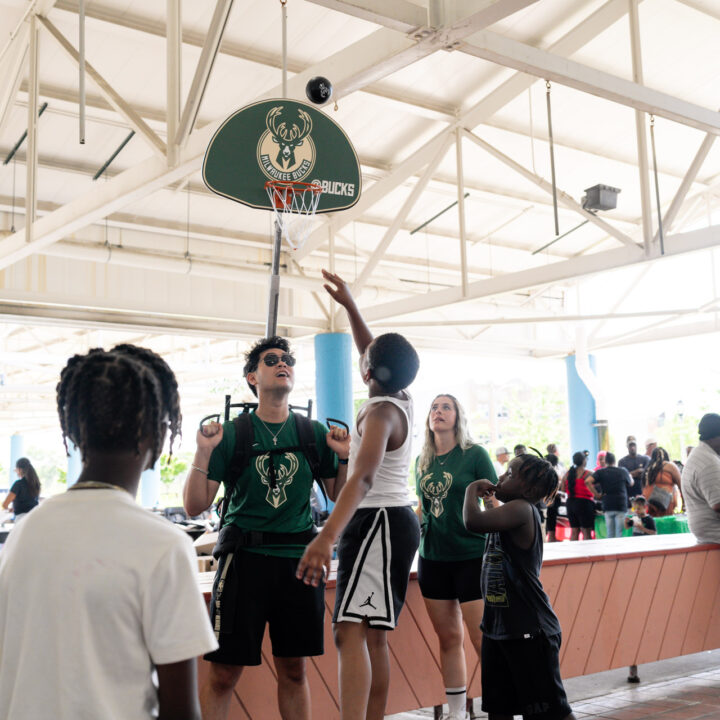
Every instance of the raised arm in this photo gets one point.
(340, 292)
(378, 425)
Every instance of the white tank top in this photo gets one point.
(390, 487)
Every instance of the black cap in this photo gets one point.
(709, 426)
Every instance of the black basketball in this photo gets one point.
(318, 90)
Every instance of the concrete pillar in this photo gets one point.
(17, 450)
(74, 463)
(333, 378)
(581, 411)
(150, 486)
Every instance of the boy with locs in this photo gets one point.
(380, 532)
(266, 527)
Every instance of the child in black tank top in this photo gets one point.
(521, 633)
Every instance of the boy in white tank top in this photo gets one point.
(380, 532)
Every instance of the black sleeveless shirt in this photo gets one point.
(516, 605)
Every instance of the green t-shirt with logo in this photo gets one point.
(441, 491)
(254, 505)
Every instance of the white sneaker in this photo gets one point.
(457, 716)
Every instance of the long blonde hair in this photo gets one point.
(462, 433)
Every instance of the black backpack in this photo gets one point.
(244, 439)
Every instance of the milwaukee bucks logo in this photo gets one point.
(436, 492)
(286, 150)
(277, 479)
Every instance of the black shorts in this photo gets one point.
(262, 589)
(375, 554)
(581, 513)
(450, 580)
(522, 677)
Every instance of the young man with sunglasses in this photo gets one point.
(266, 527)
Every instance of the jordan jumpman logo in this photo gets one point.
(368, 601)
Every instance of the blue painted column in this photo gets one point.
(17, 450)
(333, 380)
(150, 486)
(581, 411)
(74, 463)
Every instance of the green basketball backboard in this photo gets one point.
(282, 140)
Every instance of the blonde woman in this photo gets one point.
(450, 556)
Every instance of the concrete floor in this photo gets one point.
(682, 688)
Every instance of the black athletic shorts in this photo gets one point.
(522, 677)
(450, 580)
(375, 554)
(581, 512)
(257, 590)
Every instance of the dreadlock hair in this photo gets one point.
(111, 400)
(252, 356)
(393, 362)
(29, 475)
(578, 460)
(658, 459)
(538, 474)
(168, 383)
(462, 433)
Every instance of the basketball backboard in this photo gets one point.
(282, 140)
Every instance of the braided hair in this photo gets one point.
(112, 400)
(659, 458)
(540, 476)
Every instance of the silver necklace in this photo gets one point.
(441, 463)
(274, 435)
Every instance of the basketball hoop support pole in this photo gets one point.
(273, 300)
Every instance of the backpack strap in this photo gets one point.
(244, 438)
(308, 444)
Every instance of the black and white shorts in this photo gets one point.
(375, 554)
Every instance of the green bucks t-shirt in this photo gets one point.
(254, 504)
(441, 491)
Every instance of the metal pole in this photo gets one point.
(31, 162)
(81, 82)
(114, 155)
(661, 236)
(283, 4)
(552, 157)
(274, 298)
(173, 54)
(18, 144)
(461, 211)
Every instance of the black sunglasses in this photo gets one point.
(271, 359)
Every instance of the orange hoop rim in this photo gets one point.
(282, 191)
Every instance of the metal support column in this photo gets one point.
(461, 210)
(274, 298)
(31, 162)
(174, 74)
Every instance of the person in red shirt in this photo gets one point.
(578, 484)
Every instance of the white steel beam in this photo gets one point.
(397, 222)
(554, 272)
(32, 122)
(203, 70)
(399, 15)
(542, 64)
(122, 107)
(640, 130)
(461, 209)
(661, 333)
(12, 69)
(173, 55)
(563, 197)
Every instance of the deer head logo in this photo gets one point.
(288, 136)
(436, 492)
(277, 479)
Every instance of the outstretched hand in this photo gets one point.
(338, 289)
(314, 565)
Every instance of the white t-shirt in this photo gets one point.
(94, 592)
(390, 487)
(701, 490)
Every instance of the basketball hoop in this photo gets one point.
(294, 205)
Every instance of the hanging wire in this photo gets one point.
(12, 216)
(187, 232)
(657, 186)
(427, 257)
(552, 156)
(532, 131)
(107, 236)
(355, 248)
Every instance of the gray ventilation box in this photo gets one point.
(600, 197)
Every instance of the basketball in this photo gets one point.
(318, 90)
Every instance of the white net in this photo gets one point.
(294, 205)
